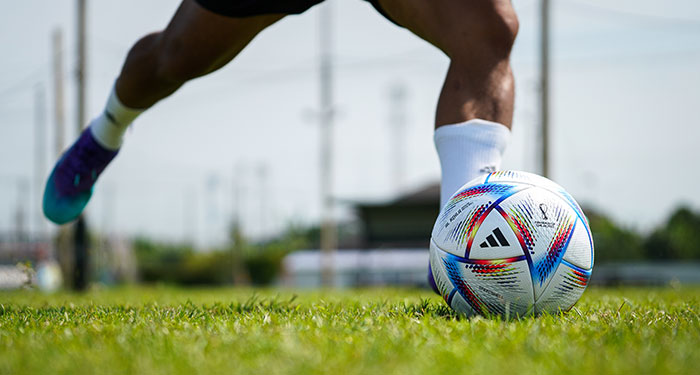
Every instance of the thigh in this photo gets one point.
(452, 25)
(197, 39)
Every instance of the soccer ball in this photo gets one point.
(511, 244)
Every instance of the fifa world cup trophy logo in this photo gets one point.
(543, 209)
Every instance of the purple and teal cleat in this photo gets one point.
(70, 184)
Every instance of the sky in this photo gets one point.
(245, 140)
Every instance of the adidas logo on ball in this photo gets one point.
(495, 239)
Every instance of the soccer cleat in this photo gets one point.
(70, 184)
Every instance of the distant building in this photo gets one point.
(391, 248)
(359, 267)
(405, 222)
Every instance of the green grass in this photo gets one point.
(382, 331)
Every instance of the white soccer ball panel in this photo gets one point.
(580, 249)
(461, 216)
(535, 180)
(439, 274)
(495, 239)
(444, 284)
(564, 291)
(523, 178)
(498, 287)
(544, 223)
(502, 287)
(460, 305)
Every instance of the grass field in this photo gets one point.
(379, 331)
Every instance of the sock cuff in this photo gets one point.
(117, 112)
(476, 130)
(467, 150)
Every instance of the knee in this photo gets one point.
(487, 30)
(502, 29)
(174, 64)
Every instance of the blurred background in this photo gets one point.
(222, 182)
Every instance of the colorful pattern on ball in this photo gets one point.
(474, 192)
(576, 278)
(461, 287)
(520, 223)
(511, 174)
(468, 225)
(555, 251)
(502, 271)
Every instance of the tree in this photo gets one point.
(679, 239)
(613, 243)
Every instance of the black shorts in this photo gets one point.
(247, 8)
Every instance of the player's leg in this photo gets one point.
(475, 108)
(195, 42)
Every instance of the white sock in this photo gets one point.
(467, 150)
(109, 127)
